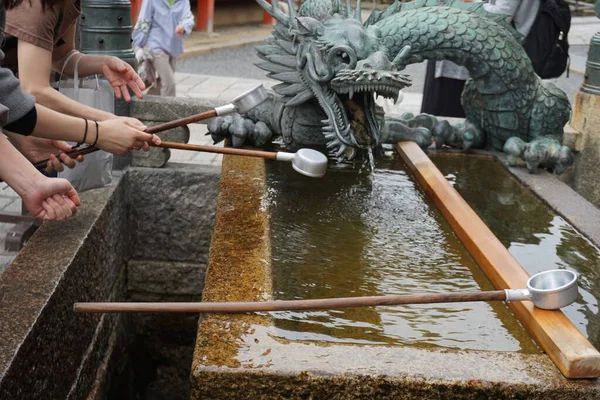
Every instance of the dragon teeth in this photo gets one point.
(351, 93)
(333, 143)
(341, 151)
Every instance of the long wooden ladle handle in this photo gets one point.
(287, 305)
(151, 129)
(179, 146)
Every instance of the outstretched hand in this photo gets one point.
(51, 199)
(122, 77)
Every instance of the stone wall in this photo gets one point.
(144, 238)
(47, 351)
(586, 120)
(171, 215)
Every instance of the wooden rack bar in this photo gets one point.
(572, 353)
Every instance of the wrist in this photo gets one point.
(105, 60)
(15, 139)
(102, 116)
(27, 182)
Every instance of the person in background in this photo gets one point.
(159, 33)
(444, 80)
(40, 36)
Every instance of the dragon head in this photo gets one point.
(325, 53)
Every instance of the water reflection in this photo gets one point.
(538, 238)
(359, 234)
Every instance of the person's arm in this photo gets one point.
(116, 136)
(15, 103)
(187, 21)
(35, 65)
(45, 198)
(120, 74)
(143, 25)
(508, 7)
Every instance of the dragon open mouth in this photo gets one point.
(350, 106)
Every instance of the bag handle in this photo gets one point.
(76, 79)
(62, 71)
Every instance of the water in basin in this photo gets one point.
(537, 237)
(355, 233)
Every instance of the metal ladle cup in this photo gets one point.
(308, 162)
(245, 101)
(548, 290)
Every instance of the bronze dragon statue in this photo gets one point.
(331, 66)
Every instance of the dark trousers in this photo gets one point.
(441, 96)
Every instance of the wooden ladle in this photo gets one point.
(549, 290)
(241, 104)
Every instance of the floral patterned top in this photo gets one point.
(155, 27)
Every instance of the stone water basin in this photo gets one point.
(357, 233)
(354, 234)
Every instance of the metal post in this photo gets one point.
(267, 18)
(205, 15)
(106, 28)
(591, 83)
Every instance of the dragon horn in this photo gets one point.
(275, 12)
(348, 8)
(401, 55)
(292, 9)
(358, 11)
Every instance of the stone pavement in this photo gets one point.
(580, 34)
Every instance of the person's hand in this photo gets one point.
(122, 76)
(179, 30)
(120, 135)
(37, 149)
(51, 199)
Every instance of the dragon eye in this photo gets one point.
(342, 57)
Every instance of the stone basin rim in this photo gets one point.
(241, 348)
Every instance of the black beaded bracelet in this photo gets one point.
(97, 134)
(84, 135)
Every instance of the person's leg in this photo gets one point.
(441, 96)
(162, 64)
(172, 62)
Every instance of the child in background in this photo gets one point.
(159, 32)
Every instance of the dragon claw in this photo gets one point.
(239, 130)
(545, 151)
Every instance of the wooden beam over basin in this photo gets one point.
(572, 353)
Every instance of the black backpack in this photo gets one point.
(546, 44)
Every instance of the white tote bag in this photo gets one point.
(96, 170)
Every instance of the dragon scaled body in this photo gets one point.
(332, 66)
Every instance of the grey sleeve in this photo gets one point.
(14, 102)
